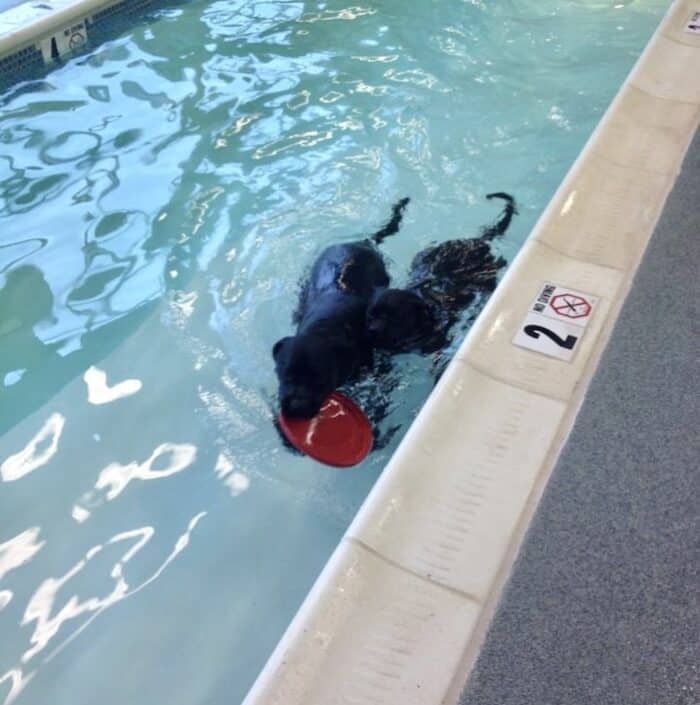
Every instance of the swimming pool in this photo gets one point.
(157, 215)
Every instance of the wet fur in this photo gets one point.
(331, 346)
(443, 280)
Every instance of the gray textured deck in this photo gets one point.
(603, 605)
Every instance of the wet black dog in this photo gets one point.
(331, 343)
(443, 280)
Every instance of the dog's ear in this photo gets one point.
(277, 347)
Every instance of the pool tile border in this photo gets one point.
(434, 541)
(39, 32)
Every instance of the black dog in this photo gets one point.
(331, 343)
(443, 280)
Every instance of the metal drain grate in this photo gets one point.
(20, 62)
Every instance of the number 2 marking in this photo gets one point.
(534, 332)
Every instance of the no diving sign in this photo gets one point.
(556, 321)
(570, 305)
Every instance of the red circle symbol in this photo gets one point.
(570, 305)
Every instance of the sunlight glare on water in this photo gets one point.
(161, 195)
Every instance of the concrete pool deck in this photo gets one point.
(602, 604)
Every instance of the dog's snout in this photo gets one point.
(380, 332)
(375, 324)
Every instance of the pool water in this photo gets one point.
(161, 195)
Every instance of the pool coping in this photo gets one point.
(39, 32)
(399, 612)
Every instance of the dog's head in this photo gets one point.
(308, 372)
(399, 320)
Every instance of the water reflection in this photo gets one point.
(99, 392)
(346, 13)
(175, 457)
(49, 619)
(50, 616)
(69, 146)
(236, 481)
(19, 550)
(25, 301)
(37, 452)
(18, 681)
(80, 514)
(41, 347)
(13, 252)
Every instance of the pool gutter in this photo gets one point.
(399, 613)
(43, 31)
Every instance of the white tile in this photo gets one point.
(489, 346)
(604, 213)
(669, 70)
(374, 635)
(645, 132)
(447, 505)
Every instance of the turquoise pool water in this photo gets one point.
(160, 197)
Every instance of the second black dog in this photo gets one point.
(443, 280)
(331, 343)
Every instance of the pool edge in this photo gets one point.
(399, 612)
(39, 32)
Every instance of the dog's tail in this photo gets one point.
(393, 225)
(501, 225)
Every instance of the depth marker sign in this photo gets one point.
(555, 321)
(693, 24)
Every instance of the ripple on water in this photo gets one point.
(69, 147)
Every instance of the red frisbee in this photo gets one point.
(340, 434)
